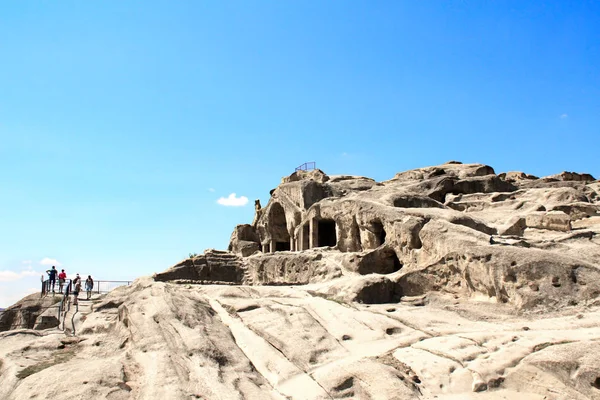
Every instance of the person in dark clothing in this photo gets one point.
(52, 276)
(89, 285)
(76, 290)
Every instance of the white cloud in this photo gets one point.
(563, 116)
(233, 201)
(10, 276)
(10, 294)
(211, 189)
(50, 262)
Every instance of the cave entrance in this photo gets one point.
(379, 232)
(380, 261)
(279, 232)
(282, 246)
(327, 236)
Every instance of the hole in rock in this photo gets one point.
(555, 281)
(494, 383)
(596, 383)
(379, 292)
(279, 231)
(379, 232)
(282, 246)
(392, 331)
(437, 172)
(347, 384)
(382, 261)
(573, 275)
(346, 337)
(327, 235)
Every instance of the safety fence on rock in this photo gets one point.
(307, 166)
(64, 305)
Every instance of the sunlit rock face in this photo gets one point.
(445, 282)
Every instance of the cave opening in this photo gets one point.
(379, 232)
(327, 235)
(282, 246)
(279, 231)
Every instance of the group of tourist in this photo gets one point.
(62, 277)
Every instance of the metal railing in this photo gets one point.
(65, 303)
(307, 166)
(107, 286)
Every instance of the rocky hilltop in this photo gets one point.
(445, 282)
(455, 228)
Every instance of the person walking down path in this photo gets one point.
(89, 285)
(62, 277)
(52, 277)
(76, 289)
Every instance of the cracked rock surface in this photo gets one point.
(445, 282)
(156, 340)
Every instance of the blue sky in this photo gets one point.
(123, 123)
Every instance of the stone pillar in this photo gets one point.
(313, 234)
(272, 245)
(300, 239)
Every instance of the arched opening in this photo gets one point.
(380, 261)
(327, 235)
(278, 224)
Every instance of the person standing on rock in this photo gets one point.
(89, 285)
(76, 289)
(62, 277)
(52, 277)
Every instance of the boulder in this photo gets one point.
(213, 266)
(552, 220)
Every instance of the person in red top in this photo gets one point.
(62, 276)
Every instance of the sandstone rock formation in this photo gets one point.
(31, 312)
(457, 228)
(445, 282)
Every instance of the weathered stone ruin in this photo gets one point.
(457, 228)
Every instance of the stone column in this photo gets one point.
(313, 234)
(272, 245)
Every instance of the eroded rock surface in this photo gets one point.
(457, 228)
(445, 282)
(157, 340)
